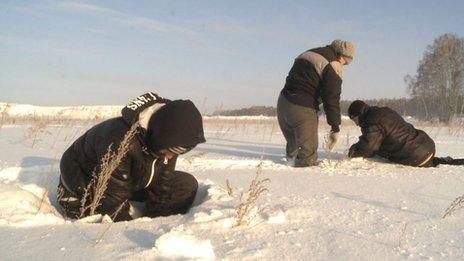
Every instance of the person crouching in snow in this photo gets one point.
(386, 134)
(164, 130)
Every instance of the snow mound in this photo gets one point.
(25, 194)
(277, 218)
(22, 208)
(178, 244)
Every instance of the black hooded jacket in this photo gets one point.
(161, 124)
(315, 78)
(387, 134)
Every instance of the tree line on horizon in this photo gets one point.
(404, 106)
(436, 91)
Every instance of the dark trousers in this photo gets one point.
(69, 202)
(446, 161)
(171, 196)
(299, 126)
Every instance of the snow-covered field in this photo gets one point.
(341, 209)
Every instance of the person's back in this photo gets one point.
(84, 157)
(313, 70)
(387, 134)
(398, 140)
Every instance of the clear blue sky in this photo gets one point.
(227, 54)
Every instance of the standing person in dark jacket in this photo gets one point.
(386, 134)
(316, 76)
(164, 129)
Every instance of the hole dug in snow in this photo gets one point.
(29, 196)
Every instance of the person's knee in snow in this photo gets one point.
(176, 198)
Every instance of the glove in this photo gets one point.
(333, 139)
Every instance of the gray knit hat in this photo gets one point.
(344, 48)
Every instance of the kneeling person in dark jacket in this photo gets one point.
(163, 130)
(386, 134)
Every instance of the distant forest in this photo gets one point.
(404, 106)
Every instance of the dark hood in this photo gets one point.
(357, 108)
(178, 123)
(130, 113)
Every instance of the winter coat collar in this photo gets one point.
(141, 108)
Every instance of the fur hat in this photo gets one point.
(357, 108)
(344, 48)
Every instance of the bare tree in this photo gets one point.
(439, 81)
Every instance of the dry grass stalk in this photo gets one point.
(458, 203)
(35, 131)
(273, 129)
(42, 201)
(255, 190)
(102, 234)
(107, 228)
(56, 138)
(95, 191)
(50, 175)
(118, 210)
(403, 239)
(60, 191)
(4, 114)
(230, 190)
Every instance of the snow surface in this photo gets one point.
(341, 209)
(68, 112)
(89, 112)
